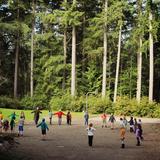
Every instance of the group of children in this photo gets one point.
(59, 115)
(135, 127)
(5, 124)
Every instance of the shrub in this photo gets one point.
(32, 102)
(126, 106)
(156, 113)
(61, 102)
(6, 102)
(78, 104)
(99, 105)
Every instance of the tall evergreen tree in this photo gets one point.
(139, 55)
(104, 52)
(32, 46)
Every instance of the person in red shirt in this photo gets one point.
(104, 118)
(59, 114)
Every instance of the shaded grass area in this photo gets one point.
(29, 116)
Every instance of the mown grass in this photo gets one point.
(29, 116)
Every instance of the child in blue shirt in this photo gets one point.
(44, 127)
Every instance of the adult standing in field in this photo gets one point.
(37, 113)
(59, 114)
(86, 118)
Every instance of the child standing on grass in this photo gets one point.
(20, 126)
(22, 115)
(90, 131)
(5, 125)
(12, 124)
(1, 116)
(44, 127)
(13, 116)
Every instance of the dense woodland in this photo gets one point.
(55, 52)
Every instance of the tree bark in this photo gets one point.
(32, 48)
(65, 57)
(139, 71)
(104, 55)
(117, 67)
(139, 57)
(151, 62)
(16, 58)
(73, 73)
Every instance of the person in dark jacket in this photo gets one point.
(37, 113)
(112, 120)
(131, 123)
(69, 118)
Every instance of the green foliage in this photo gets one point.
(123, 106)
(78, 104)
(52, 19)
(36, 101)
(126, 106)
(64, 102)
(99, 105)
(6, 102)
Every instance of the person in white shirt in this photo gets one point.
(90, 131)
(20, 126)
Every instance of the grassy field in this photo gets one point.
(29, 115)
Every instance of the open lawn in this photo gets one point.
(29, 115)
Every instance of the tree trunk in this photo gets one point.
(73, 73)
(104, 56)
(16, 67)
(16, 58)
(130, 79)
(151, 62)
(139, 57)
(32, 48)
(65, 57)
(139, 71)
(117, 67)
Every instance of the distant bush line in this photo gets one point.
(95, 104)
